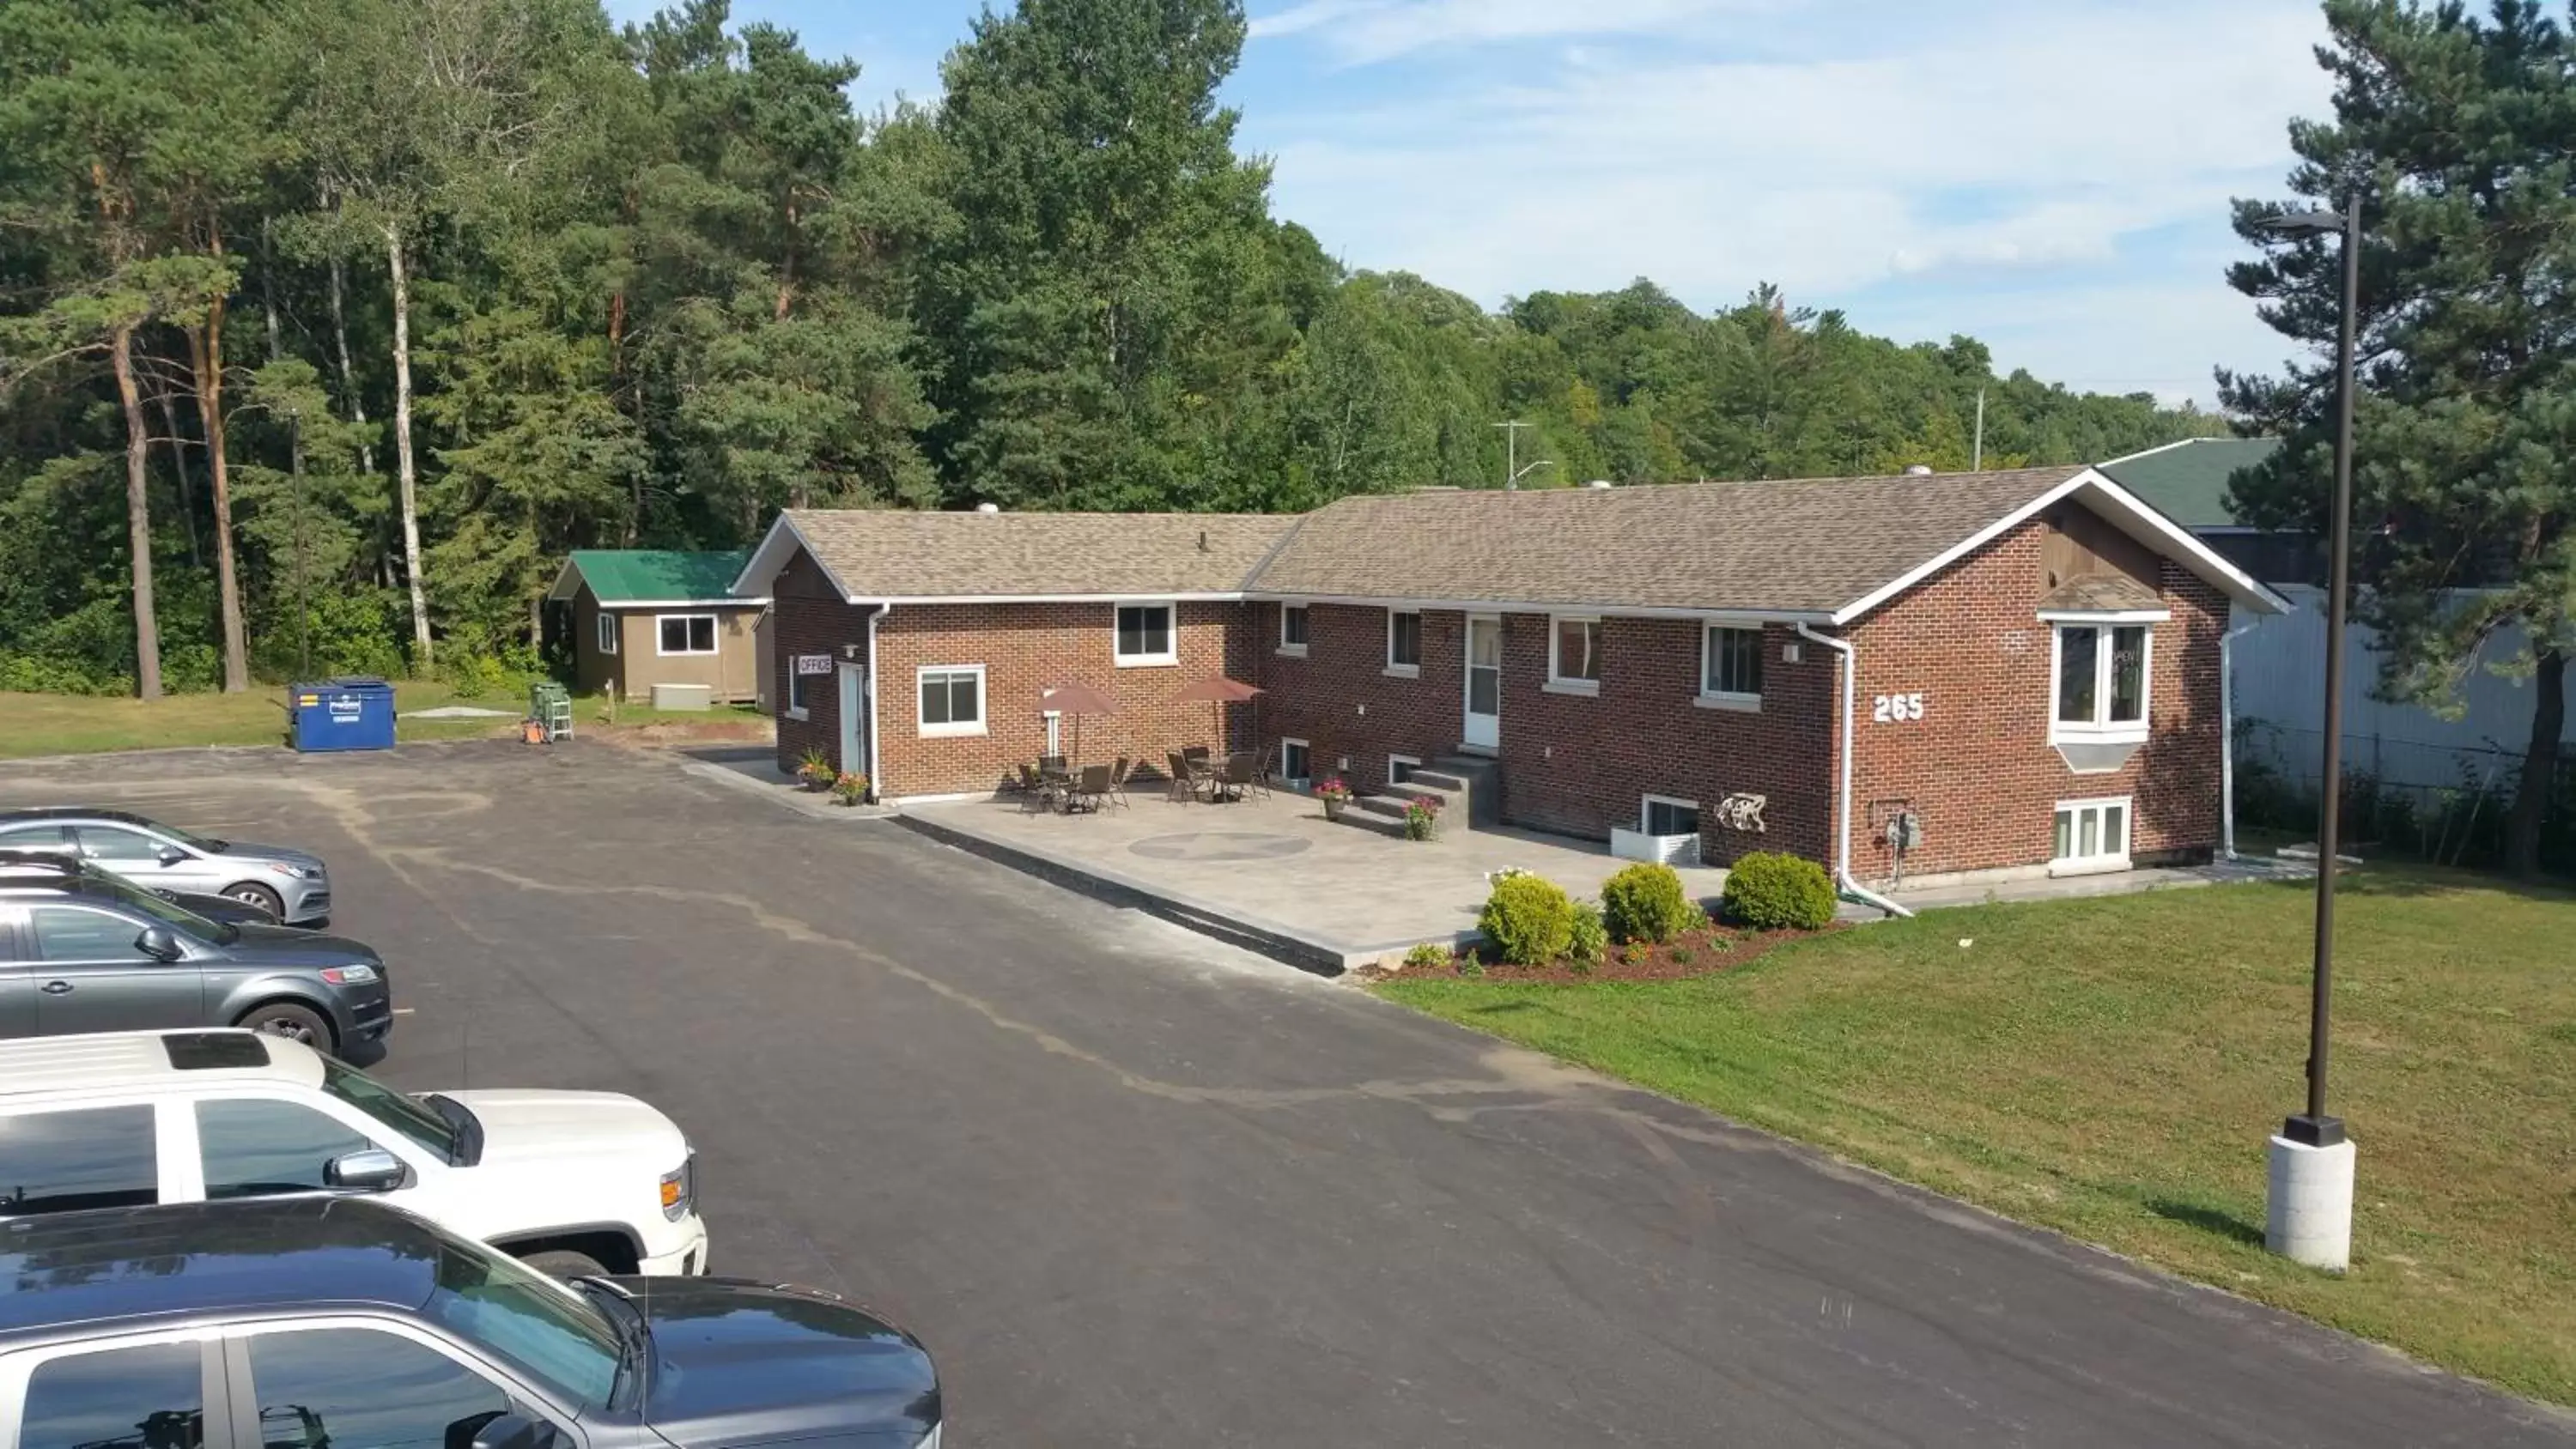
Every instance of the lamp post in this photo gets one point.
(2309, 1214)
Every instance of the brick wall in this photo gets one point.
(1573, 764)
(1340, 699)
(1028, 648)
(1978, 766)
(810, 618)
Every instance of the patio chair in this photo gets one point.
(1180, 786)
(1050, 764)
(1088, 789)
(1235, 776)
(1261, 772)
(1035, 790)
(1118, 781)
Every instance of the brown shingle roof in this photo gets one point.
(1792, 546)
(2100, 593)
(891, 554)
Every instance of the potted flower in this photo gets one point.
(1335, 794)
(1421, 817)
(849, 788)
(815, 772)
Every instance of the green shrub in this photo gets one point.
(1645, 903)
(1772, 892)
(1426, 956)
(1528, 921)
(1590, 939)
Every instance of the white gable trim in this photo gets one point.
(753, 584)
(567, 580)
(2124, 511)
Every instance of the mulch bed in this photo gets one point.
(1703, 952)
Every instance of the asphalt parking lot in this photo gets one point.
(1135, 1188)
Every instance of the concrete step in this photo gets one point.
(1366, 819)
(1479, 782)
(1387, 806)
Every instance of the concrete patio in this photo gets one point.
(1273, 873)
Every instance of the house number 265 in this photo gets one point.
(1896, 708)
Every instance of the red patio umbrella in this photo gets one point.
(1220, 691)
(1077, 699)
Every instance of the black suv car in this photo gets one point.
(81, 950)
(345, 1321)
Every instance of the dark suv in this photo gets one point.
(344, 1321)
(82, 951)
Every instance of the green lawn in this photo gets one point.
(2112, 1067)
(68, 724)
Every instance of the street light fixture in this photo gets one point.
(2310, 1203)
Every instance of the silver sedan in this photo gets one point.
(291, 885)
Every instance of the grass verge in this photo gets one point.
(2111, 1068)
(72, 724)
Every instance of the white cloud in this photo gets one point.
(2039, 143)
(1366, 31)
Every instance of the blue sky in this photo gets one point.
(2048, 175)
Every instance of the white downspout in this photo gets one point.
(876, 781)
(1843, 811)
(2227, 742)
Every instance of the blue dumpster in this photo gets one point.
(341, 714)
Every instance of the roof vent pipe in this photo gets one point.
(1918, 470)
(988, 508)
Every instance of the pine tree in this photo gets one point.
(2456, 132)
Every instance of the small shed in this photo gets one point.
(645, 616)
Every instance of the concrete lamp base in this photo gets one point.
(2309, 1215)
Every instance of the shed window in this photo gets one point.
(607, 631)
(686, 633)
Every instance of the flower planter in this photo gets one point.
(1334, 805)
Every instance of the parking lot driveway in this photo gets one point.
(1135, 1188)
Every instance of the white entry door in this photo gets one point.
(1484, 729)
(854, 721)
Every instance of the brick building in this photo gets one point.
(2006, 672)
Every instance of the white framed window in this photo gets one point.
(685, 633)
(952, 700)
(1146, 634)
(1404, 642)
(1292, 630)
(606, 631)
(1574, 654)
(1296, 763)
(1664, 815)
(2098, 682)
(2091, 835)
(1730, 667)
(1400, 768)
(795, 690)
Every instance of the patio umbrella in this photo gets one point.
(1077, 699)
(1219, 691)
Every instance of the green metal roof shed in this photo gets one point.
(629, 578)
(2187, 481)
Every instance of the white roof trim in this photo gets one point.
(2105, 616)
(728, 601)
(1563, 606)
(913, 600)
(2159, 448)
(761, 570)
(2125, 511)
(567, 579)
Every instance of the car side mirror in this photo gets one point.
(515, 1431)
(172, 855)
(371, 1170)
(157, 943)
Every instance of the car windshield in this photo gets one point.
(403, 1114)
(539, 1326)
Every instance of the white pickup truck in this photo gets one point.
(576, 1183)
